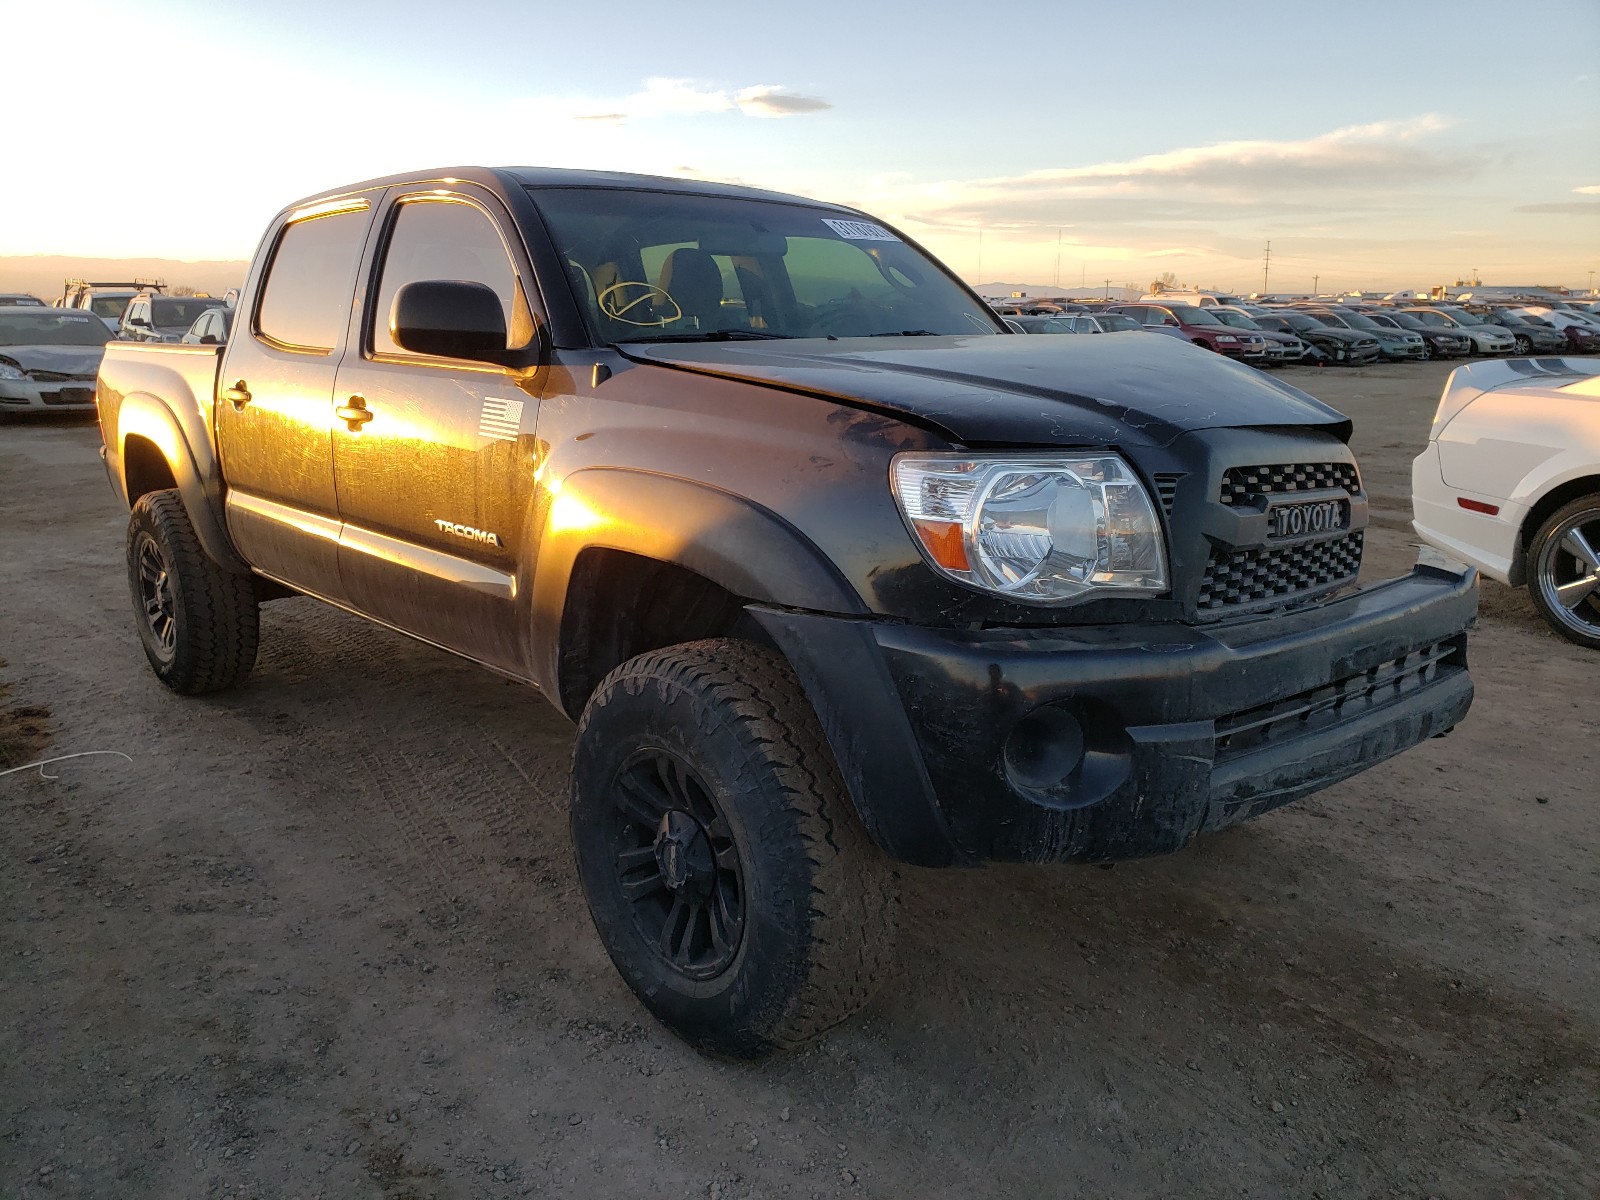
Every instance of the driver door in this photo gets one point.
(434, 458)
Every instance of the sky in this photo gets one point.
(1394, 144)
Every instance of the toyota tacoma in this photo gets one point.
(831, 570)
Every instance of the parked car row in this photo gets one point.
(50, 354)
(1342, 332)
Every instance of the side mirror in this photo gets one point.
(207, 339)
(449, 318)
(139, 321)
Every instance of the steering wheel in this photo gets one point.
(620, 300)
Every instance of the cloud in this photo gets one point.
(765, 100)
(1352, 170)
(664, 97)
(1592, 189)
(1570, 208)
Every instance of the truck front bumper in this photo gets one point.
(1098, 743)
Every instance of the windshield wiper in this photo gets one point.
(709, 335)
(905, 333)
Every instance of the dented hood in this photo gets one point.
(1106, 389)
(63, 360)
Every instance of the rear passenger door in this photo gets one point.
(435, 469)
(274, 411)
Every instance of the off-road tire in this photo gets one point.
(818, 899)
(199, 623)
(1547, 564)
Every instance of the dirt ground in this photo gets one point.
(321, 937)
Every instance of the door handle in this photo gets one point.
(354, 413)
(238, 395)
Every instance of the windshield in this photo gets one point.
(109, 306)
(1361, 321)
(52, 327)
(1333, 319)
(1117, 323)
(170, 311)
(1437, 319)
(1384, 321)
(1237, 320)
(1190, 315)
(1301, 323)
(669, 266)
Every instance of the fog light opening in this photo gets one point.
(1044, 749)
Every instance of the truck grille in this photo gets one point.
(1241, 484)
(1261, 574)
(1342, 700)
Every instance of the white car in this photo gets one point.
(1510, 482)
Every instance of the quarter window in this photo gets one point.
(448, 239)
(306, 301)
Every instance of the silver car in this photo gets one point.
(49, 358)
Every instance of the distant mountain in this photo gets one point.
(44, 274)
(1037, 291)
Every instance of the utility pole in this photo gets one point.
(1058, 258)
(1591, 283)
(1108, 289)
(1315, 280)
(1266, 265)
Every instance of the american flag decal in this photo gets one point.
(501, 420)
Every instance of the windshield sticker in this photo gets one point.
(859, 231)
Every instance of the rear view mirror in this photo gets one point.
(449, 318)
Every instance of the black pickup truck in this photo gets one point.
(830, 569)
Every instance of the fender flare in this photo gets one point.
(146, 416)
(735, 543)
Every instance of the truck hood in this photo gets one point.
(63, 360)
(1116, 389)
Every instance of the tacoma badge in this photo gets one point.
(468, 532)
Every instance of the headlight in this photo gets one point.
(7, 371)
(1042, 530)
(1226, 338)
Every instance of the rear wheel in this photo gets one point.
(727, 875)
(1563, 568)
(1428, 352)
(199, 623)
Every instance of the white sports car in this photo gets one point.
(1510, 482)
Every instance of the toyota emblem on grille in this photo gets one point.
(1302, 520)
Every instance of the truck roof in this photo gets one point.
(498, 178)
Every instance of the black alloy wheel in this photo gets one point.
(1563, 569)
(155, 599)
(728, 876)
(677, 863)
(198, 621)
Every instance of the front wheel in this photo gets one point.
(724, 868)
(1563, 568)
(1524, 344)
(198, 622)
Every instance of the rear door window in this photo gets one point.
(305, 302)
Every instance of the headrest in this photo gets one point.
(692, 279)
